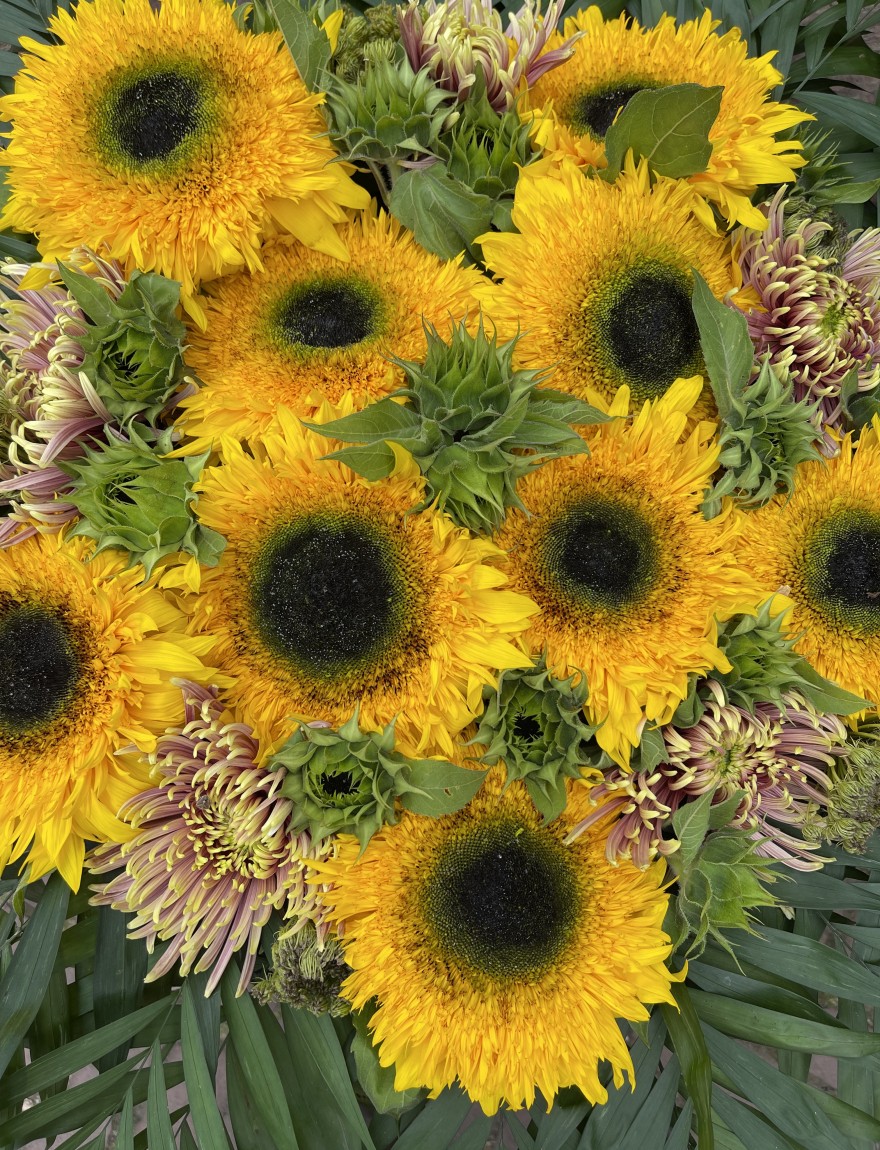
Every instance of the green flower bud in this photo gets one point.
(133, 345)
(474, 425)
(365, 40)
(305, 975)
(132, 498)
(765, 434)
(852, 808)
(535, 723)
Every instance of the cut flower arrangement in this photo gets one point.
(439, 575)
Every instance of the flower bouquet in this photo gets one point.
(439, 575)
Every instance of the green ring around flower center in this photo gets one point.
(329, 595)
(502, 900)
(41, 666)
(157, 117)
(326, 312)
(600, 554)
(641, 328)
(841, 570)
(592, 111)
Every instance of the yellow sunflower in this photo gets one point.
(499, 956)
(614, 60)
(87, 656)
(820, 546)
(171, 139)
(629, 576)
(307, 328)
(598, 277)
(333, 594)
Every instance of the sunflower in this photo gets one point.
(86, 658)
(629, 576)
(598, 276)
(614, 60)
(308, 328)
(170, 137)
(499, 956)
(332, 594)
(820, 546)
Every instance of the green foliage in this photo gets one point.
(305, 974)
(348, 781)
(364, 39)
(474, 424)
(132, 497)
(133, 345)
(668, 127)
(375, 1080)
(305, 40)
(535, 723)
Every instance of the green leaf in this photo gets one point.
(691, 825)
(686, 1036)
(435, 1127)
(651, 749)
(607, 1124)
(850, 192)
(375, 1080)
(209, 1128)
(306, 42)
(752, 1130)
(679, 1136)
(259, 1075)
(159, 1131)
(444, 214)
(373, 461)
(88, 293)
(125, 1133)
(315, 1051)
(842, 112)
(654, 1117)
(726, 346)
(667, 126)
(24, 983)
(51, 1027)
(439, 788)
(818, 966)
(248, 1126)
(207, 1008)
(118, 981)
(384, 419)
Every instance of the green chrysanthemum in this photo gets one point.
(535, 723)
(365, 38)
(474, 425)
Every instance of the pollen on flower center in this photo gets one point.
(594, 111)
(328, 314)
(153, 115)
(39, 668)
(327, 595)
(481, 897)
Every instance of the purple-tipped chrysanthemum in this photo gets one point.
(48, 408)
(212, 855)
(458, 38)
(818, 317)
(778, 758)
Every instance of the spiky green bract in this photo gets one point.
(764, 435)
(133, 346)
(389, 113)
(719, 873)
(535, 723)
(349, 781)
(473, 423)
(365, 38)
(823, 181)
(305, 974)
(132, 499)
(852, 809)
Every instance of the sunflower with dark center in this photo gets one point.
(821, 547)
(309, 329)
(630, 578)
(614, 60)
(172, 140)
(332, 593)
(607, 298)
(86, 658)
(441, 925)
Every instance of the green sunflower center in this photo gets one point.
(39, 668)
(327, 594)
(481, 897)
(600, 554)
(594, 111)
(526, 728)
(328, 313)
(843, 569)
(645, 328)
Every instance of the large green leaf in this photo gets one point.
(118, 981)
(206, 1117)
(607, 1124)
(306, 42)
(686, 1036)
(161, 1136)
(818, 966)
(248, 1125)
(437, 1124)
(841, 111)
(669, 127)
(753, 1131)
(445, 215)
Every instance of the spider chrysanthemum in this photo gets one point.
(87, 653)
(630, 578)
(170, 137)
(308, 328)
(499, 956)
(211, 854)
(615, 59)
(598, 277)
(334, 593)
